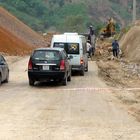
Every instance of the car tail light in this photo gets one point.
(62, 65)
(81, 61)
(30, 65)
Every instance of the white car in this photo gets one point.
(75, 46)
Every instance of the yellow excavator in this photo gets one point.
(109, 30)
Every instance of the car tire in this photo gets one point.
(31, 82)
(7, 78)
(82, 72)
(0, 79)
(64, 82)
(86, 70)
(69, 78)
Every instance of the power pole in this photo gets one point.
(134, 10)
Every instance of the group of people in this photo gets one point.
(91, 42)
(115, 48)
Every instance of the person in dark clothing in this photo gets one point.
(115, 48)
(91, 30)
(91, 38)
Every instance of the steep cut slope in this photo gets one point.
(15, 36)
(12, 45)
(130, 44)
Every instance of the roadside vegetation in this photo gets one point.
(62, 15)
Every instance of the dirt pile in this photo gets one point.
(122, 74)
(119, 73)
(130, 43)
(103, 50)
(48, 36)
(15, 37)
(125, 80)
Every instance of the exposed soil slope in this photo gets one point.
(130, 44)
(16, 37)
(10, 44)
(122, 72)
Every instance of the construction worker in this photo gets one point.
(115, 48)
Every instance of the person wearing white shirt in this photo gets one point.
(89, 48)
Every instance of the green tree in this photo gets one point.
(74, 23)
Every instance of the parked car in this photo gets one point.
(4, 70)
(49, 64)
(76, 48)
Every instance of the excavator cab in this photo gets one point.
(109, 30)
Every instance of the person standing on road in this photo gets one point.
(91, 38)
(115, 48)
(89, 48)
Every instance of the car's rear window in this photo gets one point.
(70, 48)
(73, 48)
(59, 45)
(46, 55)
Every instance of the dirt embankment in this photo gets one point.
(130, 43)
(10, 44)
(125, 80)
(124, 71)
(122, 74)
(16, 38)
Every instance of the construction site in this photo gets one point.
(120, 75)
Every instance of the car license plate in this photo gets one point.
(46, 67)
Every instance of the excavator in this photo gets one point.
(109, 30)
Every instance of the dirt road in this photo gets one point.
(86, 109)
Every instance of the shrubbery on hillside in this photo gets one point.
(41, 16)
(62, 15)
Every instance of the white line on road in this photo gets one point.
(100, 89)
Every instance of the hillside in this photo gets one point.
(70, 15)
(16, 37)
(130, 43)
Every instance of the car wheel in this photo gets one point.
(0, 79)
(86, 70)
(7, 78)
(82, 73)
(69, 78)
(31, 82)
(64, 82)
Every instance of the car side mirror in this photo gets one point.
(2, 63)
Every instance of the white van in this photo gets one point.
(75, 46)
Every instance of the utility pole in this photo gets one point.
(134, 10)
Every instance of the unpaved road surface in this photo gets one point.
(84, 110)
